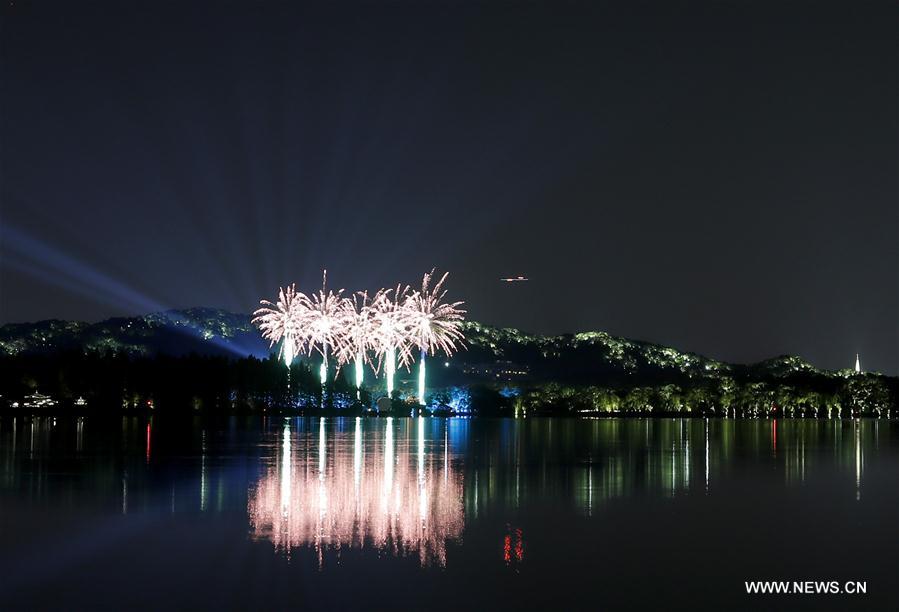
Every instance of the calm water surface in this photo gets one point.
(310, 513)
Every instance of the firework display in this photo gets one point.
(278, 321)
(322, 319)
(381, 329)
(434, 324)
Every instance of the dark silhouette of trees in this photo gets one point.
(202, 383)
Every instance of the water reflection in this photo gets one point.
(418, 465)
(588, 507)
(513, 546)
(396, 497)
(591, 463)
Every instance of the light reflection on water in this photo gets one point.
(342, 510)
(397, 498)
(443, 466)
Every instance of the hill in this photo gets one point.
(590, 371)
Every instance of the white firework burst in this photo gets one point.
(391, 332)
(434, 325)
(392, 324)
(358, 337)
(281, 321)
(324, 321)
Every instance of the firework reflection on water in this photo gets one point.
(332, 490)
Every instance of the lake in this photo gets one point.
(452, 514)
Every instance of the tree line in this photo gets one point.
(113, 382)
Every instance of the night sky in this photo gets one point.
(716, 176)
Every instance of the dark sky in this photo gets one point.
(717, 176)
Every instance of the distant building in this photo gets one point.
(38, 400)
(858, 365)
